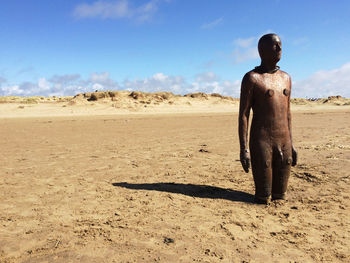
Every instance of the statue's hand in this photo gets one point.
(245, 160)
(294, 156)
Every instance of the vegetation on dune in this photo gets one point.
(156, 98)
(33, 99)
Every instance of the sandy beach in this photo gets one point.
(111, 180)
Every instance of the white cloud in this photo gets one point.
(146, 11)
(64, 78)
(158, 82)
(209, 82)
(25, 70)
(43, 84)
(213, 24)
(101, 81)
(245, 42)
(99, 76)
(160, 77)
(97, 86)
(232, 88)
(242, 55)
(206, 77)
(117, 9)
(65, 85)
(300, 41)
(17, 90)
(71, 84)
(61, 85)
(11, 90)
(246, 49)
(324, 83)
(209, 64)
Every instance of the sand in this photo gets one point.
(96, 183)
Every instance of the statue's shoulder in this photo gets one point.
(284, 74)
(250, 77)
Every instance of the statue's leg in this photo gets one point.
(282, 161)
(261, 157)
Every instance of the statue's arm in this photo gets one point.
(294, 152)
(245, 105)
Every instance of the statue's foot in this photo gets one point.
(262, 200)
(279, 196)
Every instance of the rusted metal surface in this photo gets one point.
(266, 90)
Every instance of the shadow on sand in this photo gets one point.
(201, 191)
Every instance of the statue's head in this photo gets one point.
(270, 48)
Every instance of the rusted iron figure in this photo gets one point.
(266, 90)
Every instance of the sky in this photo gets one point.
(61, 48)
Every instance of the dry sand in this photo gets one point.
(92, 182)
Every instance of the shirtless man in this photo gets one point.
(266, 90)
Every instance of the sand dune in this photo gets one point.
(125, 102)
(82, 180)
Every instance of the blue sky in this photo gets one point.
(65, 47)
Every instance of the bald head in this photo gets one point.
(270, 47)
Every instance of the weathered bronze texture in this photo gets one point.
(266, 90)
